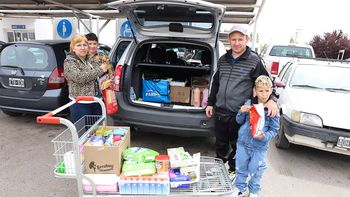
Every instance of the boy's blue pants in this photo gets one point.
(249, 162)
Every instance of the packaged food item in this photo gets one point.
(97, 140)
(140, 154)
(132, 168)
(162, 163)
(257, 119)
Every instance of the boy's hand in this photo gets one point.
(245, 108)
(261, 136)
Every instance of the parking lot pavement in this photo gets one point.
(27, 163)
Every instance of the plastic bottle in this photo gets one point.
(152, 188)
(205, 98)
(134, 186)
(197, 97)
(146, 185)
(132, 94)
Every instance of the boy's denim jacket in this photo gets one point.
(271, 127)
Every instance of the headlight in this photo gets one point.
(306, 118)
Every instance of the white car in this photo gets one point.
(314, 101)
(277, 55)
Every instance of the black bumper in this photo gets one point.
(324, 134)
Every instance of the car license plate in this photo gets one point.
(344, 142)
(16, 82)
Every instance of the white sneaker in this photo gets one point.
(237, 193)
(253, 195)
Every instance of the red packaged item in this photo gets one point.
(257, 119)
(110, 100)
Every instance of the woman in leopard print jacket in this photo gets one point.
(81, 76)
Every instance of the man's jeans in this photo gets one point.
(249, 162)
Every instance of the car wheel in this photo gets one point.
(281, 140)
(11, 113)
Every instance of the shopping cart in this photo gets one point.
(213, 181)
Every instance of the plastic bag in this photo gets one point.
(257, 119)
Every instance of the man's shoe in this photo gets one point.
(253, 195)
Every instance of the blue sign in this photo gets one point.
(64, 28)
(125, 29)
(18, 26)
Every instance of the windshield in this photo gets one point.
(161, 15)
(291, 51)
(324, 77)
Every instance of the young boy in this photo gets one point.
(251, 151)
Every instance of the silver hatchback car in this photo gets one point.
(158, 90)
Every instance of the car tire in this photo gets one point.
(281, 140)
(11, 113)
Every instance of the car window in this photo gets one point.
(30, 57)
(291, 51)
(121, 48)
(286, 75)
(148, 17)
(321, 76)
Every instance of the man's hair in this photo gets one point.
(263, 81)
(91, 37)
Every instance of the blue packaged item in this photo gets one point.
(120, 131)
(156, 91)
(178, 180)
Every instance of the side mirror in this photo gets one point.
(280, 84)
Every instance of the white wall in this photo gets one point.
(43, 29)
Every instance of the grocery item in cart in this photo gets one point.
(155, 184)
(179, 180)
(104, 182)
(162, 163)
(68, 159)
(132, 168)
(105, 159)
(139, 154)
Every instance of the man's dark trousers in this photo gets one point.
(226, 133)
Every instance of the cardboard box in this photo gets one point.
(180, 94)
(105, 160)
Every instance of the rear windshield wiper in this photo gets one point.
(14, 67)
(337, 89)
(305, 86)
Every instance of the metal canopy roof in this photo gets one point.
(237, 11)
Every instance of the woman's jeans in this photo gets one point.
(249, 162)
(79, 110)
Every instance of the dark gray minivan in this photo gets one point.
(163, 33)
(31, 76)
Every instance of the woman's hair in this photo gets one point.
(263, 81)
(76, 39)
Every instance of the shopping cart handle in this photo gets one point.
(48, 119)
(84, 98)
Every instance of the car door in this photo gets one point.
(186, 19)
(118, 49)
(25, 69)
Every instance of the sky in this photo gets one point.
(282, 19)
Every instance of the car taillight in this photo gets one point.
(274, 68)
(56, 79)
(117, 77)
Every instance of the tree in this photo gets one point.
(329, 45)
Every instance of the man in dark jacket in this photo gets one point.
(232, 85)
